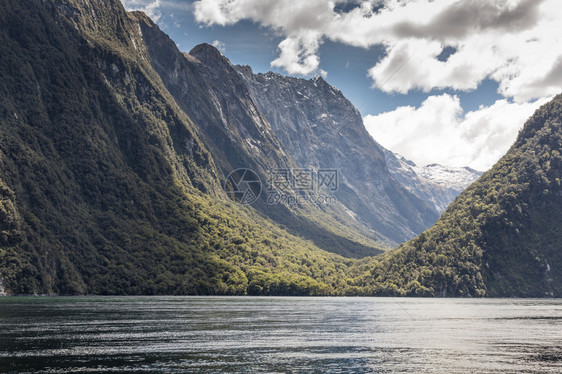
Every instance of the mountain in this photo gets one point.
(501, 237)
(108, 187)
(210, 91)
(321, 129)
(434, 183)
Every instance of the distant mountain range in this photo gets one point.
(433, 183)
(120, 154)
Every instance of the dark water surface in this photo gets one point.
(279, 335)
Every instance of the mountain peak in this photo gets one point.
(139, 15)
(206, 53)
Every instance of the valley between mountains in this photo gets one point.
(115, 155)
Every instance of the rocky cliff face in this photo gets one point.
(320, 128)
(206, 87)
(212, 93)
(436, 184)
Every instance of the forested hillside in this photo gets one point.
(501, 237)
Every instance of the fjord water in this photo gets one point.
(278, 335)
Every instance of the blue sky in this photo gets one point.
(437, 81)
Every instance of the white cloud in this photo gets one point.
(150, 7)
(516, 42)
(298, 55)
(219, 45)
(300, 21)
(439, 131)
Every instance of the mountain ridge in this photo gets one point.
(207, 88)
(320, 128)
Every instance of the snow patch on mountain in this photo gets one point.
(434, 183)
(449, 177)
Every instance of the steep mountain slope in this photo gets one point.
(320, 128)
(208, 88)
(105, 184)
(80, 154)
(501, 237)
(434, 183)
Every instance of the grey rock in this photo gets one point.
(320, 128)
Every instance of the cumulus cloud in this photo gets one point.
(439, 131)
(150, 7)
(298, 55)
(515, 42)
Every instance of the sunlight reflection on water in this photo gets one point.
(248, 334)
